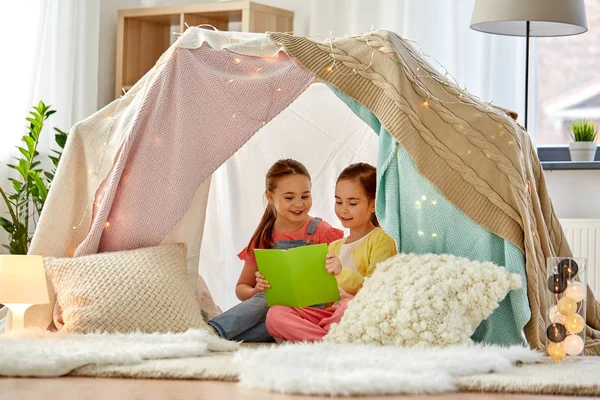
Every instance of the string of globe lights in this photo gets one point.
(566, 323)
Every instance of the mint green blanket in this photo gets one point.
(422, 221)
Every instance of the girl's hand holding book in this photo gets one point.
(333, 264)
(261, 283)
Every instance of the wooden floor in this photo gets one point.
(93, 388)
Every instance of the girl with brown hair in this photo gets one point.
(285, 224)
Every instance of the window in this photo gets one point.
(568, 81)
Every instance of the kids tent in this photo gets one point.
(455, 175)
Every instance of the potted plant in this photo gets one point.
(584, 135)
(31, 184)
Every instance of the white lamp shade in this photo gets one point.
(546, 17)
(22, 280)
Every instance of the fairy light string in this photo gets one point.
(462, 97)
(370, 41)
(274, 90)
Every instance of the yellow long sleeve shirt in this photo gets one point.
(377, 246)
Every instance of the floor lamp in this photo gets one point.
(529, 18)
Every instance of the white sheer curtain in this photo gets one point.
(322, 133)
(491, 66)
(50, 53)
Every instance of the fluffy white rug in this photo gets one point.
(212, 366)
(45, 354)
(329, 369)
(572, 377)
(578, 376)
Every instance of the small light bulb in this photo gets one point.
(576, 291)
(434, 235)
(433, 202)
(426, 104)
(575, 323)
(418, 205)
(328, 69)
(107, 224)
(424, 198)
(567, 306)
(278, 89)
(229, 81)
(573, 345)
(237, 61)
(556, 317)
(556, 351)
(421, 233)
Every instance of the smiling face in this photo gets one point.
(352, 206)
(291, 198)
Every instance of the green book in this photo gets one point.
(297, 276)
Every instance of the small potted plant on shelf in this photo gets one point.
(584, 135)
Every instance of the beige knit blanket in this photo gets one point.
(475, 154)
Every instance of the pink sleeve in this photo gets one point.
(247, 255)
(326, 233)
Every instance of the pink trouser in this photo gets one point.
(303, 324)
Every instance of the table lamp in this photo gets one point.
(22, 284)
(537, 18)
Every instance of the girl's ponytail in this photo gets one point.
(263, 236)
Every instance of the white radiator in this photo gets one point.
(583, 236)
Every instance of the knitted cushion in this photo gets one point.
(142, 290)
(423, 300)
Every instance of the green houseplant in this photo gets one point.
(30, 189)
(584, 135)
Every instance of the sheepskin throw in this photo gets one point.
(143, 290)
(423, 300)
(44, 354)
(350, 370)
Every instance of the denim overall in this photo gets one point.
(246, 321)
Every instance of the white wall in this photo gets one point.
(575, 194)
(108, 33)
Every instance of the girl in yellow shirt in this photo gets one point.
(350, 259)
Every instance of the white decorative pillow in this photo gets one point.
(423, 300)
(143, 290)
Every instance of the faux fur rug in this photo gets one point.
(328, 369)
(212, 366)
(574, 377)
(46, 354)
(579, 376)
